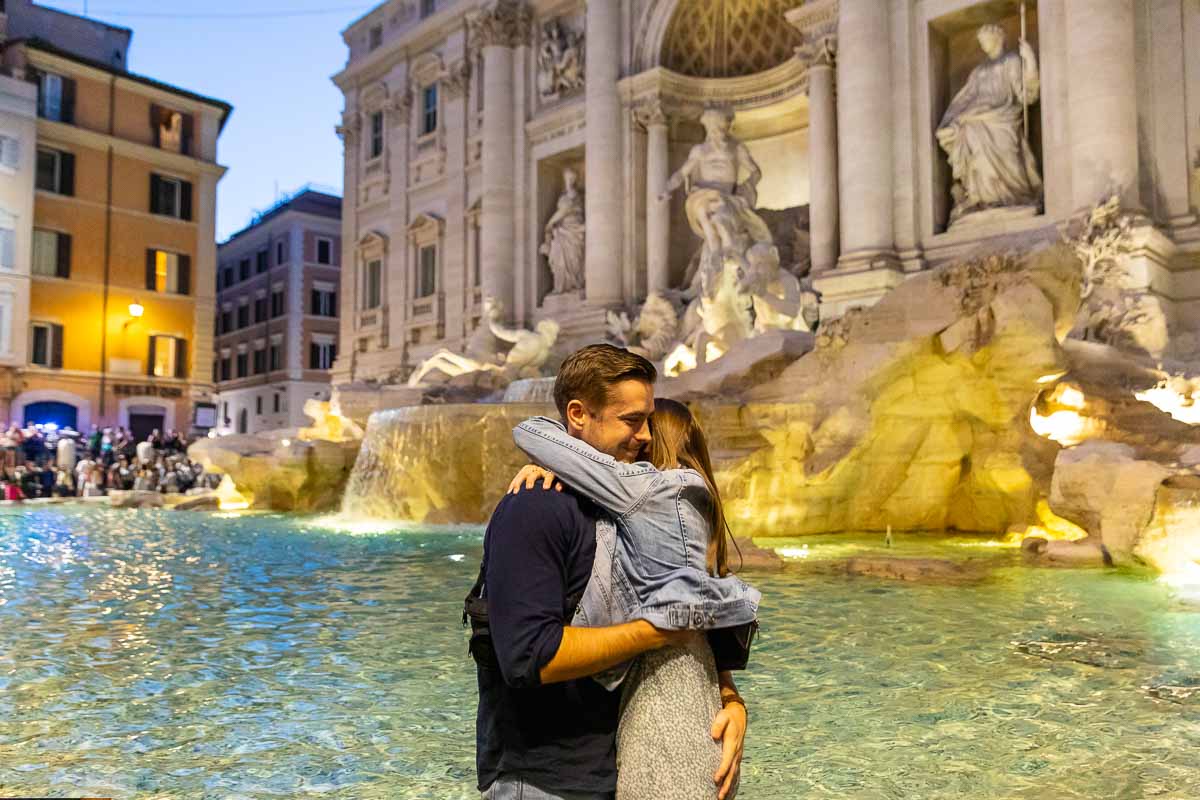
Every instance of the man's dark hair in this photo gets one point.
(589, 373)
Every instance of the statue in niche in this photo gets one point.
(721, 180)
(564, 242)
(560, 60)
(524, 359)
(170, 131)
(984, 133)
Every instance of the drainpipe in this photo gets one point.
(112, 93)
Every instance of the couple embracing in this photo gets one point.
(605, 620)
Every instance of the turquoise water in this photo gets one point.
(156, 654)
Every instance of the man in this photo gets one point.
(545, 731)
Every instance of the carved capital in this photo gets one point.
(350, 127)
(457, 79)
(819, 50)
(651, 113)
(507, 23)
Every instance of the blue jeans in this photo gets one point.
(517, 789)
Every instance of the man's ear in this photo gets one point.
(576, 416)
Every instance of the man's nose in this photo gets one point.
(643, 435)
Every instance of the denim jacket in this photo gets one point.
(657, 561)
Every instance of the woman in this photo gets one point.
(671, 539)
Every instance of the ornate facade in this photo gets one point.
(463, 116)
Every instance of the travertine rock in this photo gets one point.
(283, 474)
(135, 499)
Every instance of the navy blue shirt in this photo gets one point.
(561, 737)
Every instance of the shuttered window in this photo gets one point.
(169, 273)
(51, 254)
(167, 357)
(56, 97)
(170, 197)
(46, 345)
(56, 171)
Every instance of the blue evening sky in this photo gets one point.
(270, 59)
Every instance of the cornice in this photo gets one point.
(83, 137)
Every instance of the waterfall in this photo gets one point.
(436, 463)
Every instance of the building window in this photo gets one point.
(170, 197)
(375, 37)
(376, 134)
(261, 261)
(8, 240)
(260, 308)
(373, 286)
(280, 253)
(324, 300)
(227, 319)
(226, 363)
(258, 404)
(244, 269)
(321, 353)
(51, 254)
(10, 153)
(168, 357)
(428, 7)
(170, 273)
(242, 363)
(426, 271)
(260, 363)
(275, 355)
(46, 345)
(56, 97)
(276, 399)
(429, 109)
(324, 250)
(55, 171)
(277, 303)
(229, 277)
(243, 313)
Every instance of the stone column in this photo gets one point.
(499, 29)
(864, 134)
(343, 365)
(822, 157)
(603, 199)
(453, 280)
(1102, 100)
(658, 213)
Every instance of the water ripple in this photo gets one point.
(167, 655)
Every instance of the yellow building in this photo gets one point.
(123, 257)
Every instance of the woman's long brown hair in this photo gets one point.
(679, 441)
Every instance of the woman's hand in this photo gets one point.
(529, 475)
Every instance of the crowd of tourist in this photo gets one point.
(48, 461)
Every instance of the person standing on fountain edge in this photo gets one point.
(544, 729)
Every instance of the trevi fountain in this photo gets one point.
(928, 272)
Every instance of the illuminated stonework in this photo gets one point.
(728, 38)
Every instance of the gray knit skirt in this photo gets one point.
(664, 750)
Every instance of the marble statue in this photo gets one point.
(560, 60)
(524, 359)
(777, 296)
(721, 180)
(564, 242)
(983, 131)
(653, 334)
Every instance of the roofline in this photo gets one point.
(92, 20)
(280, 211)
(361, 17)
(44, 46)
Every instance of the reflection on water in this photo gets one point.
(166, 654)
